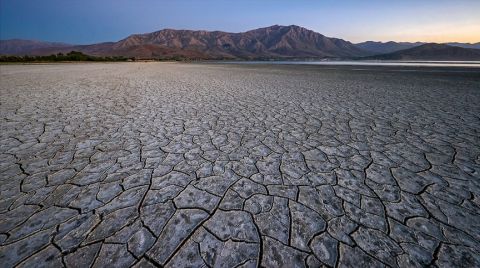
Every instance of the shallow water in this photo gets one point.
(474, 64)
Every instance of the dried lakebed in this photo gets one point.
(167, 164)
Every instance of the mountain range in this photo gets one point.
(386, 47)
(26, 47)
(389, 47)
(432, 52)
(274, 42)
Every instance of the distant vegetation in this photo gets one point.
(71, 56)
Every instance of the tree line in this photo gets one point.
(70, 56)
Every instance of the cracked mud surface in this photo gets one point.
(163, 164)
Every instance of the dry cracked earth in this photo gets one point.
(217, 165)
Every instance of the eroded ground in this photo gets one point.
(163, 164)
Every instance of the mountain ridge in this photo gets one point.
(392, 46)
(19, 46)
(386, 47)
(269, 42)
(432, 51)
(272, 42)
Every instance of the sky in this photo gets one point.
(92, 21)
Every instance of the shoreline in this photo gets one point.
(370, 63)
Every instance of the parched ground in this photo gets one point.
(167, 164)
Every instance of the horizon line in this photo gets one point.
(237, 32)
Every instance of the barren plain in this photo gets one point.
(223, 165)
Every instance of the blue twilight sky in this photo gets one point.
(91, 21)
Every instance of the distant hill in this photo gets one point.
(271, 42)
(22, 47)
(432, 51)
(386, 47)
(465, 45)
